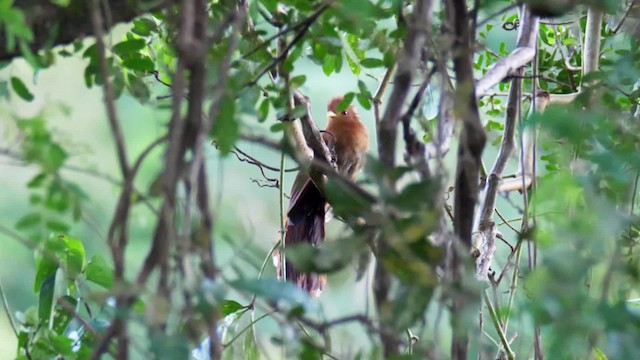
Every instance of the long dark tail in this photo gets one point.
(305, 223)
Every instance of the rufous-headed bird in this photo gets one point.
(349, 140)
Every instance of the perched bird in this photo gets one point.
(347, 136)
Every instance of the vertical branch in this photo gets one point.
(387, 132)
(470, 147)
(165, 230)
(208, 251)
(591, 50)
(117, 235)
(486, 225)
(109, 99)
(408, 60)
(527, 35)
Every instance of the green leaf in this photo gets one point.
(226, 127)
(28, 221)
(74, 256)
(250, 348)
(21, 89)
(140, 64)
(45, 299)
(354, 45)
(263, 110)
(363, 88)
(364, 101)
(61, 315)
(326, 258)
(272, 289)
(329, 64)
(599, 354)
(47, 264)
(57, 226)
(353, 65)
(231, 306)
(298, 81)
(128, 46)
(99, 272)
(61, 344)
(277, 127)
(346, 101)
(138, 88)
(309, 351)
(61, 3)
(371, 63)
(144, 27)
(37, 181)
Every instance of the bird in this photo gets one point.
(348, 138)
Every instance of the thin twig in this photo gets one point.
(301, 24)
(253, 322)
(382, 87)
(109, 101)
(7, 309)
(624, 17)
(282, 55)
(253, 161)
(496, 323)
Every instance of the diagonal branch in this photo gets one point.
(522, 55)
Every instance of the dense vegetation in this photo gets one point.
(518, 243)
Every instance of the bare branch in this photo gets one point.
(377, 98)
(304, 27)
(109, 101)
(591, 49)
(470, 147)
(313, 144)
(408, 62)
(522, 55)
(486, 225)
(415, 154)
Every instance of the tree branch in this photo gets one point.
(55, 25)
(486, 225)
(408, 62)
(522, 55)
(470, 147)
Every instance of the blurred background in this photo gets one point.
(246, 215)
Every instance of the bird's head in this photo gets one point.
(349, 114)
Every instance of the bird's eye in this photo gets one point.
(344, 113)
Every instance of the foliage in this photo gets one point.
(568, 267)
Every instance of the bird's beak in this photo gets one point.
(331, 115)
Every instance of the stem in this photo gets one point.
(496, 323)
(5, 304)
(253, 322)
(377, 98)
(514, 284)
(283, 259)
